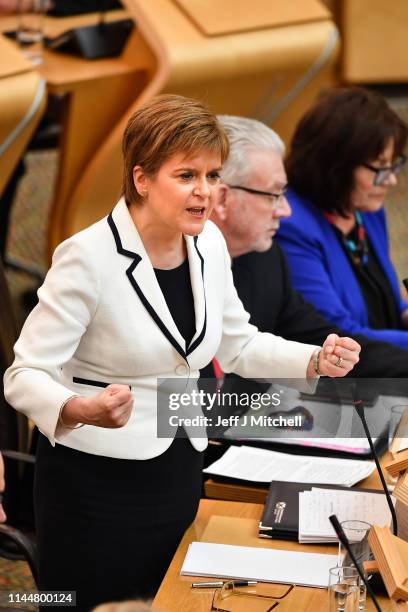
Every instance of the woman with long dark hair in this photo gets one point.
(345, 155)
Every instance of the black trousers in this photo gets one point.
(108, 528)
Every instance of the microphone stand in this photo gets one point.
(359, 406)
(343, 539)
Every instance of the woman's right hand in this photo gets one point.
(110, 408)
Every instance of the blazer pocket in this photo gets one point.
(93, 383)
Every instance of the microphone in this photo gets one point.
(359, 406)
(343, 539)
(405, 283)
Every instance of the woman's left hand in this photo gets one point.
(338, 356)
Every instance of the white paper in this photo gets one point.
(260, 465)
(317, 505)
(400, 444)
(262, 564)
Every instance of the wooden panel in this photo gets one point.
(232, 492)
(86, 123)
(233, 16)
(375, 41)
(11, 60)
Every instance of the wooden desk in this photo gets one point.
(175, 593)
(97, 94)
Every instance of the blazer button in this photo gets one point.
(181, 369)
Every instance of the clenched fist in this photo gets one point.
(338, 356)
(110, 408)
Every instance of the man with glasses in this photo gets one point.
(251, 205)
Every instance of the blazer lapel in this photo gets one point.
(196, 265)
(141, 274)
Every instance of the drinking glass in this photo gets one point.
(357, 535)
(344, 589)
(30, 30)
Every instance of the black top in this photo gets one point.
(375, 287)
(175, 285)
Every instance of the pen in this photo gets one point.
(220, 583)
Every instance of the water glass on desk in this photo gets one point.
(344, 589)
(30, 29)
(357, 534)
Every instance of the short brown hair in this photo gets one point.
(166, 125)
(345, 127)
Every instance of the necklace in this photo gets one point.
(355, 241)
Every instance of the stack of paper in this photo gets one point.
(317, 505)
(259, 465)
(262, 564)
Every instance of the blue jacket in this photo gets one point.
(322, 272)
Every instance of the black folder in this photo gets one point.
(280, 517)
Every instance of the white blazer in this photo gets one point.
(101, 319)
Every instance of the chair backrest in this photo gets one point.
(15, 545)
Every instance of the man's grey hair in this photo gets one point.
(246, 135)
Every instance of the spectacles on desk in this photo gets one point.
(383, 173)
(274, 199)
(228, 589)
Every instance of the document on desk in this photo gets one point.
(262, 564)
(399, 444)
(317, 505)
(260, 465)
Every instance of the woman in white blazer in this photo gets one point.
(144, 293)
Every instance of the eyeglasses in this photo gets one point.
(274, 198)
(228, 589)
(384, 173)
